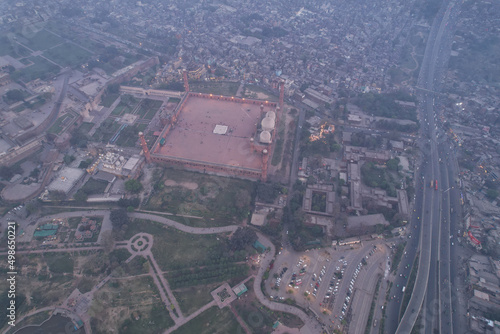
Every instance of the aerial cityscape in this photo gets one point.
(239, 167)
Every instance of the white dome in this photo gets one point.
(271, 114)
(267, 124)
(265, 137)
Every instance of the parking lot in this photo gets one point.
(331, 282)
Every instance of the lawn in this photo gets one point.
(195, 222)
(59, 263)
(44, 289)
(218, 88)
(126, 140)
(126, 105)
(141, 127)
(149, 108)
(107, 129)
(224, 201)
(108, 99)
(42, 40)
(129, 306)
(173, 249)
(121, 108)
(10, 47)
(39, 69)
(208, 274)
(35, 319)
(212, 321)
(259, 318)
(67, 54)
(192, 298)
(86, 127)
(60, 124)
(128, 136)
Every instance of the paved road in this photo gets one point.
(365, 291)
(311, 325)
(430, 276)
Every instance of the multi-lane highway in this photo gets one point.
(433, 208)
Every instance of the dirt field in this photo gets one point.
(220, 200)
(129, 306)
(188, 185)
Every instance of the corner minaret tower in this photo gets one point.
(145, 147)
(186, 83)
(282, 94)
(265, 158)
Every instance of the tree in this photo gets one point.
(129, 202)
(80, 196)
(267, 192)
(57, 195)
(492, 194)
(6, 173)
(178, 86)
(69, 159)
(113, 88)
(393, 164)
(219, 72)
(119, 218)
(134, 186)
(15, 95)
(33, 206)
(242, 237)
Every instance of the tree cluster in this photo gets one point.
(119, 219)
(384, 105)
(363, 140)
(393, 126)
(134, 186)
(267, 192)
(241, 238)
(206, 275)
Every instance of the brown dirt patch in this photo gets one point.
(188, 185)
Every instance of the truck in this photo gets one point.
(432, 183)
(436, 184)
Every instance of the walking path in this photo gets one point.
(141, 245)
(240, 89)
(311, 325)
(191, 317)
(184, 228)
(164, 285)
(29, 314)
(241, 322)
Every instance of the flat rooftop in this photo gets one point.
(193, 137)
